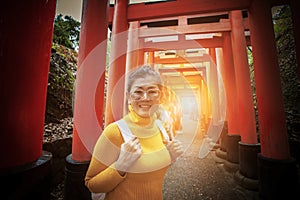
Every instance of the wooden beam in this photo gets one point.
(186, 86)
(186, 29)
(181, 60)
(141, 11)
(188, 16)
(172, 14)
(216, 27)
(186, 44)
(183, 80)
(186, 92)
(191, 78)
(183, 69)
(187, 82)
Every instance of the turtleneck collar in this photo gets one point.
(137, 119)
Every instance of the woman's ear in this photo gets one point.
(128, 97)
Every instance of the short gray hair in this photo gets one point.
(142, 72)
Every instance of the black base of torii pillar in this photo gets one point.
(75, 188)
(247, 175)
(232, 161)
(29, 181)
(278, 179)
(221, 152)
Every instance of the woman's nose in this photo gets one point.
(145, 96)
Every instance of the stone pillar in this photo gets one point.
(277, 170)
(89, 95)
(26, 40)
(116, 80)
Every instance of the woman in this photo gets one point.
(134, 169)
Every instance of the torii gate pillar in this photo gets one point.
(133, 46)
(26, 40)
(233, 136)
(248, 148)
(214, 87)
(89, 95)
(117, 69)
(228, 75)
(230, 85)
(277, 170)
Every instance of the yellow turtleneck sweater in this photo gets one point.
(145, 178)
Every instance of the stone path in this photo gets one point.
(193, 178)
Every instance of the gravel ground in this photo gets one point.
(193, 178)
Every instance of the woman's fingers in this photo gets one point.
(175, 149)
(175, 144)
(132, 145)
(130, 152)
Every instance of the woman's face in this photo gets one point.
(144, 96)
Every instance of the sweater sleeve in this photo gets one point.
(101, 175)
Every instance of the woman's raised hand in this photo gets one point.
(175, 149)
(130, 152)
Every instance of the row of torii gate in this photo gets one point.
(25, 65)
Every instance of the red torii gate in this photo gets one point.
(25, 78)
(260, 30)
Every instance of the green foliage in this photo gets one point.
(282, 20)
(63, 66)
(283, 27)
(66, 31)
(61, 80)
(253, 86)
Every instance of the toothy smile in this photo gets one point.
(144, 106)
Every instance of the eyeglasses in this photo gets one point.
(151, 94)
